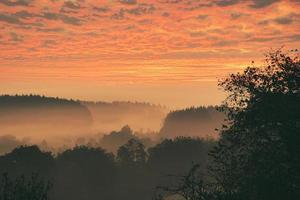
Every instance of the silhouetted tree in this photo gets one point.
(176, 156)
(172, 158)
(257, 156)
(116, 139)
(133, 152)
(133, 175)
(85, 173)
(26, 160)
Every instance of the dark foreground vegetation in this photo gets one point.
(86, 173)
(255, 158)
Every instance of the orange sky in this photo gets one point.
(162, 51)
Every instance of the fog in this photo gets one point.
(60, 123)
(142, 117)
(54, 123)
(57, 124)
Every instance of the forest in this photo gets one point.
(253, 156)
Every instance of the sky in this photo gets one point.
(170, 52)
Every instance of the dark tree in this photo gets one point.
(21, 188)
(171, 159)
(116, 139)
(85, 173)
(257, 156)
(133, 175)
(176, 156)
(26, 160)
(133, 152)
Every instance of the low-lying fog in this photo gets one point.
(55, 124)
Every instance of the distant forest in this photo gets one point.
(194, 121)
(33, 116)
(103, 116)
(62, 123)
(36, 111)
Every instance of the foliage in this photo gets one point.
(174, 156)
(84, 173)
(87, 173)
(26, 160)
(257, 156)
(24, 189)
(117, 138)
(132, 152)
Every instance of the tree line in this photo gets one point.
(86, 172)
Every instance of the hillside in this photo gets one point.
(194, 121)
(57, 119)
(36, 116)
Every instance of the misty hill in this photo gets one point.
(33, 115)
(139, 116)
(194, 121)
(61, 121)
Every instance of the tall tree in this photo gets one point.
(133, 152)
(257, 156)
(84, 173)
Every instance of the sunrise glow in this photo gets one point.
(137, 49)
